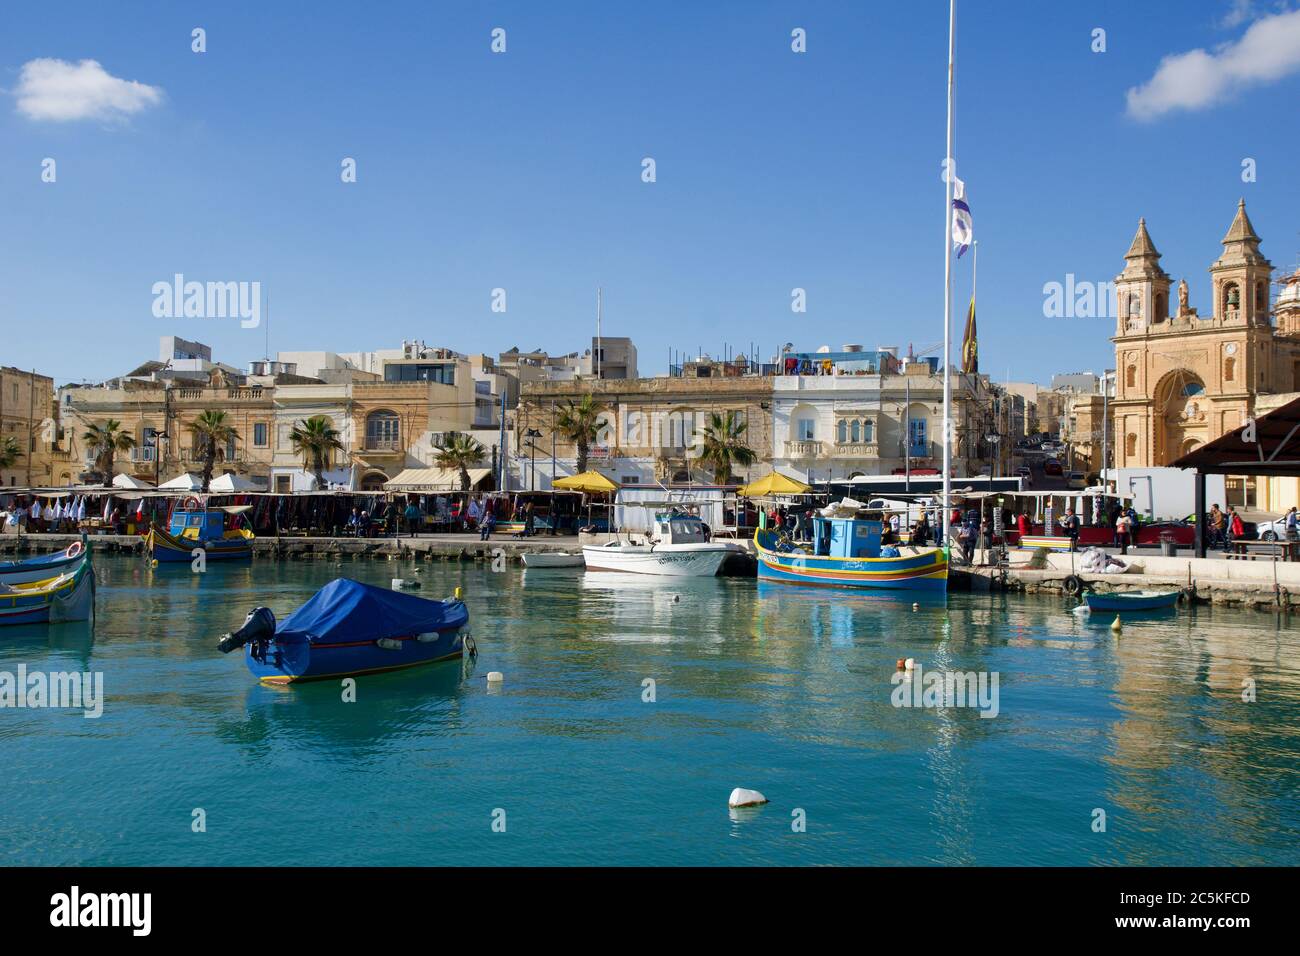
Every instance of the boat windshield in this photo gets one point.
(680, 530)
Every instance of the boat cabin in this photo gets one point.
(847, 537)
(203, 525)
(674, 527)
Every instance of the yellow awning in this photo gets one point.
(587, 481)
(774, 483)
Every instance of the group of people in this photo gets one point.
(1222, 529)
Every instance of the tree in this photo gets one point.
(724, 445)
(10, 452)
(316, 439)
(460, 451)
(212, 432)
(104, 442)
(579, 422)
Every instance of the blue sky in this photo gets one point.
(522, 171)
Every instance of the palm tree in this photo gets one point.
(9, 452)
(460, 451)
(724, 445)
(104, 442)
(316, 439)
(579, 422)
(211, 434)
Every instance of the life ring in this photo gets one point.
(1072, 585)
(74, 549)
(185, 503)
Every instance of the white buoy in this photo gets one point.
(910, 664)
(495, 677)
(1082, 610)
(740, 797)
(916, 606)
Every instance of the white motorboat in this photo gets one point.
(552, 559)
(678, 547)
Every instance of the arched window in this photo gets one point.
(1261, 296)
(1229, 369)
(841, 431)
(867, 430)
(383, 432)
(1193, 388)
(1131, 377)
(1231, 297)
(1130, 445)
(1162, 307)
(856, 430)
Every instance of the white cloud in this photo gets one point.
(57, 90)
(1266, 52)
(1239, 12)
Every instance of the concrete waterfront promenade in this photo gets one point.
(1261, 584)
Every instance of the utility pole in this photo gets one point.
(31, 409)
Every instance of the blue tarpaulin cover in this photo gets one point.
(345, 610)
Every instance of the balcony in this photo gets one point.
(855, 449)
(383, 444)
(803, 449)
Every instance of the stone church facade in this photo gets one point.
(1183, 378)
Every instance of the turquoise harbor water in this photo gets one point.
(780, 689)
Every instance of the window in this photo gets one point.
(841, 432)
(916, 436)
(442, 373)
(230, 449)
(680, 428)
(1193, 388)
(868, 428)
(807, 429)
(632, 425)
(259, 434)
(1229, 369)
(1130, 377)
(856, 430)
(1130, 445)
(382, 431)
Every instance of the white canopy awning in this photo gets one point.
(130, 483)
(421, 480)
(233, 484)
(187, 481)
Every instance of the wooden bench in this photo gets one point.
(1250, 550)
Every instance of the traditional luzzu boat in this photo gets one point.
(44, 567)
(846, 552)
(198, 527)
(1053, 542)
(348, 628)
(68, 595)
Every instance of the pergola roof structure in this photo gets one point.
(1270, 446)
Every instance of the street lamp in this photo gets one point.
(532, 434)
(993, 438)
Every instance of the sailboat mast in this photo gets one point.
(949, 174)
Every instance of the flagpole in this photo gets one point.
(949, 175)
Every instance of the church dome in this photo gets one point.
(1290, 294)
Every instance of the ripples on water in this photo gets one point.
(781, 689)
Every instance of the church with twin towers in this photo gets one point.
(1183, 378)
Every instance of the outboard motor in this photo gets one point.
(258, 626)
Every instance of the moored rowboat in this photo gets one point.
(44, 567)
(1132, 600)
(552, 559)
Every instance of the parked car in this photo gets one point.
(1271, 530)
(1053, 467)
(1025, 475)
(1077, 481)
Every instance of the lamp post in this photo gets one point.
(532, 435)
(993, 438)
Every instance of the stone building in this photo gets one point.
(1183, 378)
(650, 431)
(26, 415)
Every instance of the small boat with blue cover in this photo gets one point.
(348, 628)
(193, 526)
(45, 566)
(846, 551)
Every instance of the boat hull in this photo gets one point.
(924, 570)
(1132, 601)
(165, 548)
(42, 568)
(684, 561)
(62, 600)
(282, 663)
(1031, 542)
